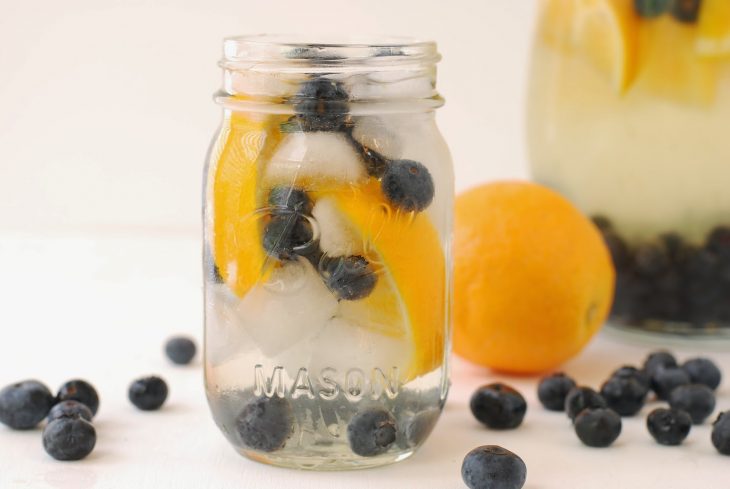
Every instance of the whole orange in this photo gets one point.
(533, 279)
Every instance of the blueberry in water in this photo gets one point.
(290, 199)
(408, 185)
(24, 404)
(180, 350)
(288, 235)
(79, 390)
(581, 398)
(721, 433)
(553, 389)
(651, 8)
(349, 277)
(650, 259)
(665, 380)
(696, 399)
(70, 409)
(703, 371)
(321, 105)
(498, 406)
(628, 371)
(686, 11)
(598, 428)
(657, 360)
(265, 424)
(669, 426)
(375, 162)
(371, 432)
(69, 438)
(493, 467)
(148, 393)
(625, 395)
(420, 426)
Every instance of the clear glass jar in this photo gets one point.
(328, 215)
(629, 103)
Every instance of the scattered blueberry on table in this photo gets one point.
(69, 438)
(721, 433)
(498, 406)
(70, 409)
(493, 467)
(625, 395)
(669, 426)
(81, 391)
(703, 371)
(148, 393)
(581, 398)
(553, 389)
(665, 380)
(180, 350)
(25, 404)
(598, 428)
(697, 400)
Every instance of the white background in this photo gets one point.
(106, 110)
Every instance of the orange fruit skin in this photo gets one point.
(533, 279)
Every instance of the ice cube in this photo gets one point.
(224, 339)
(336, 235)
(258, 84)
(313, 160)
(292, 306)
(379, 134)
(399, 84)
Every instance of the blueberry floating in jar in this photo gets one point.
(265, 424)
(24, 404)
(348, 277)
(321, 105)
(290, 199)
(288, 235)
(408, 185)
(686, 11)
(371, 432)
(651, 8)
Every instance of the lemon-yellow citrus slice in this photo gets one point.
(713, 28)
(670, 67)
(244, 142)
(408, 301)
(603, 31)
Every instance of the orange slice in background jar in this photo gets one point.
(246, 140)
(404, 248)
(713, 29)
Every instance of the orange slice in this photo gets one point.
(244, 142)
(408, 301)
(713, 28)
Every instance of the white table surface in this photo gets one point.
(100, 308)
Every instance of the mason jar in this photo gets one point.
(327, 216)
(629, 103)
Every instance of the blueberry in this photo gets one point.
(375, 163)
(553, 389)
(290, 199)
(498, 406)
(651, 8)
(657, 360)
(265, 424)
(718, 241)
(697, 399)
(321, 105)
(79, 390)
(703, 371)
(420, 426)
(686, 11)
(721, 433)
(69, 438)
(665, 380)
(148, 393)
(24, 404)
(620, 254)
(598, 428)
(602, 223)
(349, 277)
(650, 259)
(493, 467)
(70, 409)
(180, 350)
(628, 371)
(288, 235)
(669, 426)
(371, 432)
(581, 398)
(625, 395)
(407, 185)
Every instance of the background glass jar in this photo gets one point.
(629, 104)
(328, 210)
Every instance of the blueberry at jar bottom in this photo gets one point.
(670, 284)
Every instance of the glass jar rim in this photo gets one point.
(295, 53)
